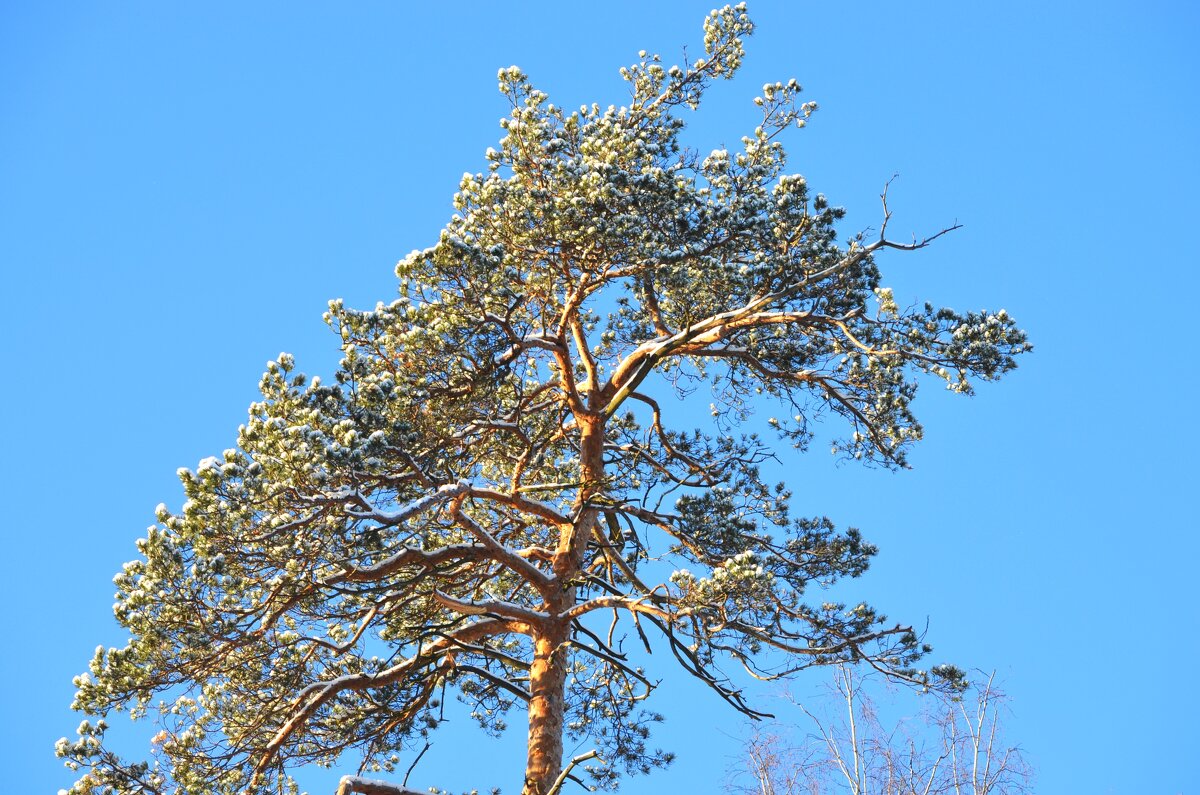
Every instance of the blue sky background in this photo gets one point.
(184, 186)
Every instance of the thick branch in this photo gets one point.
(490, 606)
(392, 518)
(370, 786)
(311, 698)
(502, 554)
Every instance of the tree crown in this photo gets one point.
(489, 495)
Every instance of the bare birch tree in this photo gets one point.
(956, 746)
(494, 489)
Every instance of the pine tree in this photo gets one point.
(469, 506)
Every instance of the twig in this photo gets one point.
(562, 777)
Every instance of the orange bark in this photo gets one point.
(547, 674)
(546, 687)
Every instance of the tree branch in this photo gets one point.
(370, 786)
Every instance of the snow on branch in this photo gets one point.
(420, 505)
(372, 786)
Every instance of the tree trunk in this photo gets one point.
(547, 677)
(548, 673)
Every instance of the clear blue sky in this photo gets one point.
(184, 186)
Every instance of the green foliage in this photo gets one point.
(492, 459)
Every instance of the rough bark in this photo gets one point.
(547, 674)
(547, 679)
